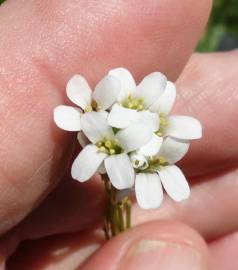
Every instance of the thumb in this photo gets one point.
(156, 245)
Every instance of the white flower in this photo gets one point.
(134, 101)
(126, 131)
(160, 169)
(80, 93)
(176, 126)
(108, 148)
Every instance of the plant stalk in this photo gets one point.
(118, 212)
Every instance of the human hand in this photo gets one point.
(57, 39)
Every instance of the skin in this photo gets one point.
(44, 44)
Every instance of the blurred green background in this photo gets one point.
(222, 29)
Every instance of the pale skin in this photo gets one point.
(43, 44)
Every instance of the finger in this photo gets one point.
(157, 245)
(55, 40)
(73, 32)
(207, 89)
(56, 252)
(224, 253)
(71, 208)
(70, 251)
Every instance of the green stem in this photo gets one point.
(118, 215)
(128, 214)
(121, 217)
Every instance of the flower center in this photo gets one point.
(157, 162)
(151, 164)
(163, 125)
(133, 103)
(93, 107)
(110, 147)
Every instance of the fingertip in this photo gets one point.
(156, 245)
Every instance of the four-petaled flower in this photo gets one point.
(151, 171)
(176, 126)
(133, 101)
(109, 147)
(80, 93)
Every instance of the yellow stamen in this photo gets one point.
(112, 151)
(108, 144)
(109, 147)
(88, 108)
(103, 149)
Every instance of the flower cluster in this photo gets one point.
(126, 132)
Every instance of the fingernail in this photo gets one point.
(154, 255)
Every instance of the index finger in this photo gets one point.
(46, 42)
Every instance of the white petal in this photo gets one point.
(106, 92)
(82, 139)
(87, 163)
(121, 117)
(166, 101)
(174, 182)
(152, 147)
(67, 118)
(95, 126)
(151, 88)
(149, 193)
(183, 127)
(78, 91)
(174, 149)
(120, 171)
(149, 119)
(134, 136)
(127, 81)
